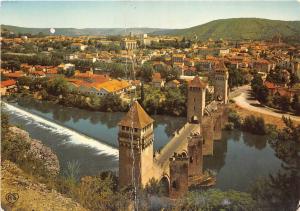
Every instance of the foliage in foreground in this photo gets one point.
(215, 199)
(281, 191)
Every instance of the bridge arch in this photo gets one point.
(184, 153)
(194, 119)
(164, 184)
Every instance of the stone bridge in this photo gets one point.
(179, 165)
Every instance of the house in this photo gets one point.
(189, 62)
(62, 68)
(223, 51)
(7, 87)
(89, 76)
(136, 83)
(204, 65)
(14, 75)
(51, 72)
(37, 74)
(189, 71)
(78, 46)
(157, 81)
(100, 89)
(113, 87)
(178, 58)
(262, 65)
(127, 44)
(173, 84)
(280, 90)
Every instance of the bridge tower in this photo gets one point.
(135, 147)
(179, 165)
(196, 100)
(195, 142)
(221, 83)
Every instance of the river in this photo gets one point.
(90, 138)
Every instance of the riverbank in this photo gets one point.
(269, 119)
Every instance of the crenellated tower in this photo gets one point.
(221, 82)
(196, 100)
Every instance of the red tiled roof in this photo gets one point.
(284, 92)
(7, 83)
(156, 77)
(270, 85)
(16, 74)
(196, 82)
(40, 73)
(136, 117)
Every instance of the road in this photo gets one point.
(242, 97)
(176, 144)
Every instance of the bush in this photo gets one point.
(215, 199)
(235, 119)
(255, 125)
(229, 126)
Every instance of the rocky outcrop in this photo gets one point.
(38, 150)
(28, 194)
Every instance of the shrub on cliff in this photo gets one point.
(17, 150)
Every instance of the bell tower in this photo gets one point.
(221, 83)
(196, 100)
(135, 139)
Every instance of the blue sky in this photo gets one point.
(158, 14)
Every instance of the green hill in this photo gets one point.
(242, 28)
(230, 29)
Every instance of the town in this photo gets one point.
(150, 106)
(120, 66)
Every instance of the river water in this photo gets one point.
(90, 138)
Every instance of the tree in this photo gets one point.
(3, 77)
(284, 103)
(118, 71)
(236, 78)
(259, 90)
(172, 74)
(25, 81)
(276, 76)
(13, 65)
(281, 191)
(147, 72)
(293, 79)
(254, 125)
(174, 102)
(142, 94)
(296, 104)
(111, 103)
(58, 86)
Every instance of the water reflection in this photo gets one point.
(100, 125)
(239, 158)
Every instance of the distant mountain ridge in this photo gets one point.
(232, 29)
(81, 32)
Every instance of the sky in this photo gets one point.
(152, 14)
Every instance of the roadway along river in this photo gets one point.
(90, 138)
